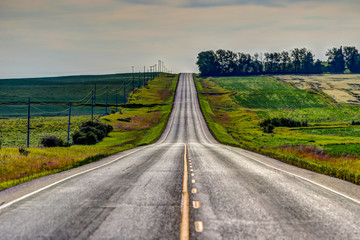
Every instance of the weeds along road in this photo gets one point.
(233, 194)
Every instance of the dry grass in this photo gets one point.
(343, 88)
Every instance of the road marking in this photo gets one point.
(159, 142)
(298, 176)
(194, 190)
(196, 204)
(67, 178)
(192, 174)
(184, 227)
(199, 226)
(192, 180)
(191, 170)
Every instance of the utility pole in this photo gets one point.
(124, 97)
(28, 125)
(116, 102)
(106, 104)
(144, 77)
(133, 79)
(139, 80)
(92, 106)
(95, 94)
(68, 134)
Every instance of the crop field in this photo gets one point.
(266, 92)
(137, 124)
(235, 106)
(343, 88)
(50, 96)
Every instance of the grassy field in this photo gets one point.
(75, 89)
(145, 127)
(329, 145)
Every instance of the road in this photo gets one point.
(137, 194)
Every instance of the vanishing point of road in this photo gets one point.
(185, 185)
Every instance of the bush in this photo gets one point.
(51, 141)
(355, 122)
(269, 124)
(23, 151)
(82, 138)
(268, 129)
(91, 133)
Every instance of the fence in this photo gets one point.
(64, 96)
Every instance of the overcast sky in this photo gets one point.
(66, 37)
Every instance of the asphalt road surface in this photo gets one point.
(137, 194)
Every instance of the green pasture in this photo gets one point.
(266, 92)
(234, 106)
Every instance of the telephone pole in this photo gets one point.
(133, 79)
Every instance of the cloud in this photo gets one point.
(218, 3)
(91, 36)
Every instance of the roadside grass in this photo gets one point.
(329, 145)
(146, 125)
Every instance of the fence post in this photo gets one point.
(68, 135)
(28, 125)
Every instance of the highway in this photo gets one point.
(139, 194)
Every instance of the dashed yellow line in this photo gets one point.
(196, 204)
(184, 228)
(199, 226)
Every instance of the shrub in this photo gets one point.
(82, 138)
(268, 129)
(23, 151)
(91, 133)
(355, 122)
(51, 141)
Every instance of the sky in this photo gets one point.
(74, 37)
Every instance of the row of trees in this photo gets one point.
(296, 61)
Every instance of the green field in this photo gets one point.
(146, 115)
(61, 91)
(266, 92)
(234, 107)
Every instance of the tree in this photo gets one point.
(308, 63)
(352, 59)
(208, 64)
(318, 68)
(257, 65)
(244, 64)
(298, 55)
(227, 62)
(285, 62)
(336, 60)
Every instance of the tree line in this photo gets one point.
(296, 61)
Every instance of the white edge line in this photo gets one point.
(298, 176)
(65, 179)
(284, 171)
(89, 170)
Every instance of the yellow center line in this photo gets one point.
(184, 228)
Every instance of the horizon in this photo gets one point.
(66, 38)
